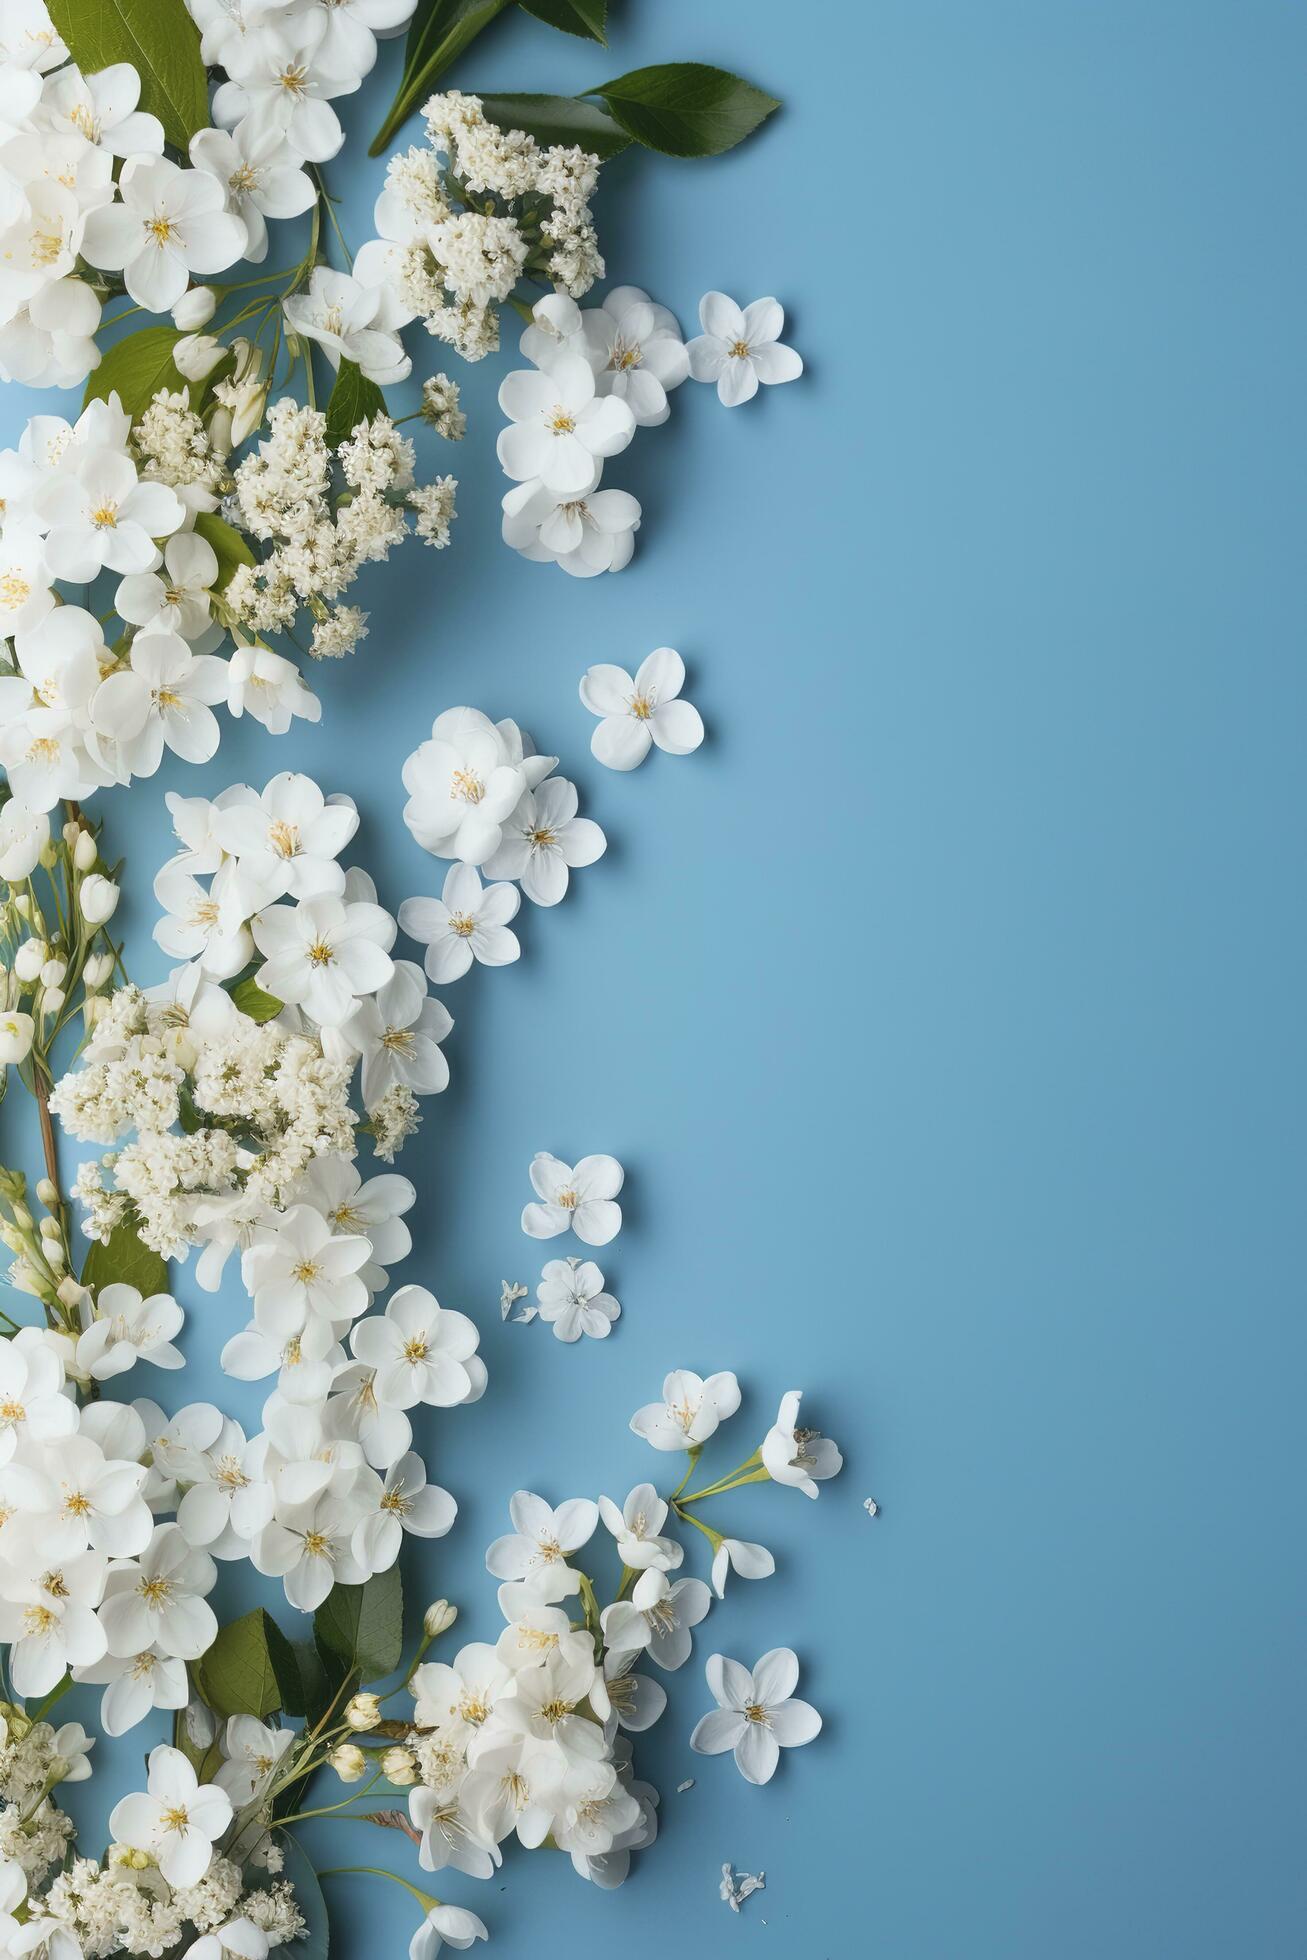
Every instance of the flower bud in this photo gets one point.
(399, 1766)
(195, 309)
(97, 970)
(438, 1618)
(30, 958)
(47, 1191)
(364, 1712)
(49, 855)
(197, 354)
(70, 1292)
(348, 1761)
(52, 1000)
(22, 904)
(52, 972)
(85, 849)
(98, 899)
(16, 1035)
(49, 1227)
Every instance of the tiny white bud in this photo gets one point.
(49, 854)
(52, 1000)
(98, 899)
(97, 970)
(197, 354)
(364, 1712)
(438, 1618)
(49, 1227)
(30, 958)
(85, 849)
(348, 1761)
(52, 972)
(399, 1766)
(47, 1191)
(195, 309)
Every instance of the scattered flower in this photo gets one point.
(636, 713)
(756, 1715)
(577, 1198)
(739, 348)
(572, 1300)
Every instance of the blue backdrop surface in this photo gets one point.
(945, 1009)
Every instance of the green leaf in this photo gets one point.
(237, 1675)
(686, 109)
(135, 368)
(162, 43)
(127, 1260)
(308, 1897)
(437, 35)
(302, 1676)
(365, 1624)
(251, 1000)
(565, 119)
(229, 546)
(583, 17)
(354, 399)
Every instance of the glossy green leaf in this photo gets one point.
(354, 399)
(584, 17)
(135, 368)
(686, 109)
(125, 1260)
(230, 548)
(437, 35)
(162, 43)
(251, 1000)
(566, 119)
(364, 1624)
(237, 1675)
(305, 1684)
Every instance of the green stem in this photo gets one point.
(424, 1899)
(759, 1476)
(327, 1809)
(691, 1459)
(687, 1517)
(57, 1693)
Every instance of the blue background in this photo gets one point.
(945, 1009)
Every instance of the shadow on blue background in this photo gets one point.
(946, 1009)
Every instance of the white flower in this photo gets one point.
(636, 350)
(309, 1551)
(467, 922)
(560, 430)
(572, 1300)
(398, 1035)
(690, 1410)
(334, 1186)
(279, 81)
(642, 711)
(176, 601)
(268, 686)
(16, 1035)
(574, 1197)
(755, 1716)
(658, 1615)
(102, 108)
(177, 1819)
(252, 1751)
(260, 176)
(71, 1747)
(47, 1616)
(290, 837)
(637, 1526)
(462, 784)
(445, 1926)
(170, 223)
(457, 1697)
(544, 839)
(229, 1499)
(206, 926)
(796, 1456)
(537, 1548)
(77, 1498)
(585, 535)
(103, 518)
(419, 1351)
(128, 1329)
(342, 316)
(299, 1271)
(32, 1405)
(133, 1685)
(239, 1939)
(197, 307)
(554, 330)
(405, 1502)
(740, 1555)
(24, 834)
(322, 954)
(25, 594)
(738, 349)
(162, 698)
(160, 1603)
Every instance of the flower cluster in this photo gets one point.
(530, 1736)
(317, 537)
(479, 208)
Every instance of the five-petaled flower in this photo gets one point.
(756, 1715)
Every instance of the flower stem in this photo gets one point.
(424, 1899)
